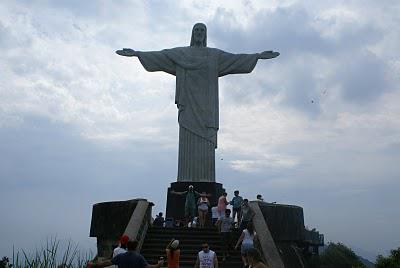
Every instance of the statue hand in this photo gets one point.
(268, 55)
(127, 52)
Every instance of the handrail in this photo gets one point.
(139, 222)
(267, 244)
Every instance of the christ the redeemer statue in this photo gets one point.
(197, 68)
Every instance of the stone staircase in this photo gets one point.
(190, 240)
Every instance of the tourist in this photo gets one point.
(247, 240)
(206, 258)
(202, 204)
(254, 259)
(214, 215)
(159, 220)
(222, 203)
(173, 254)
(123, 242)
(260, 198)
(129, 259)
(190, 203)
(225, 224)
(194, 223)
(247, 215)
(236, 204)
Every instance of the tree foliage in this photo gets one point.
(391, 261)
(338, 255)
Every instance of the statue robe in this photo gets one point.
(197, 71)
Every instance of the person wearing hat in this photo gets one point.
(121, 248)
(173, 253)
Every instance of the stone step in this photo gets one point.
(192, 258)
(229, 262)
(187, 230)
(190, 244)
(184, 240)
(186, 252)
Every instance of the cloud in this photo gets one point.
(259, 165)
(317, 127)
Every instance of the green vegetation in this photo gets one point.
(392, 261)
(337, 255)
(52, 255)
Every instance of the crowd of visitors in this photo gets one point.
(127, 256)
(200, 203)
(226, 220)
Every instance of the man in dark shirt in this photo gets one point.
(159, 220)
(247, 215)
(130, 259)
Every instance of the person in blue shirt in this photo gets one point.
(236, 204)
(129, 259)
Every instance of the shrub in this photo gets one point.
(337, 255)
(392, 261)
(52, 255)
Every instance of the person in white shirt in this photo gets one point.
(247, 240)
(226, 225)
(123, 241)
(206, 258)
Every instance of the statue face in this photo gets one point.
(199, 32)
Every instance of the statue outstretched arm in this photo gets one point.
(178, 193)
(127, 52)
(152, 61)
(268, 55)
(229, 63)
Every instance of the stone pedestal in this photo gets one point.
(110, 220)
(285, 222)
(176, 203)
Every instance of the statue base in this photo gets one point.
(176, 203)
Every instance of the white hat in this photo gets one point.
(175, 244)
(190, 186)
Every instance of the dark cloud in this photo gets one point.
(363, 77)
(287, 30)
(304, 53)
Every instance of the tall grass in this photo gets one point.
(52, 255)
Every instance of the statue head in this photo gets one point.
(199, 35)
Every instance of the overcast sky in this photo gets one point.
(317, 127)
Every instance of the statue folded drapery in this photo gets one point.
(197, 69)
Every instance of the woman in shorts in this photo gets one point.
(202, 206)
(247, 240)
